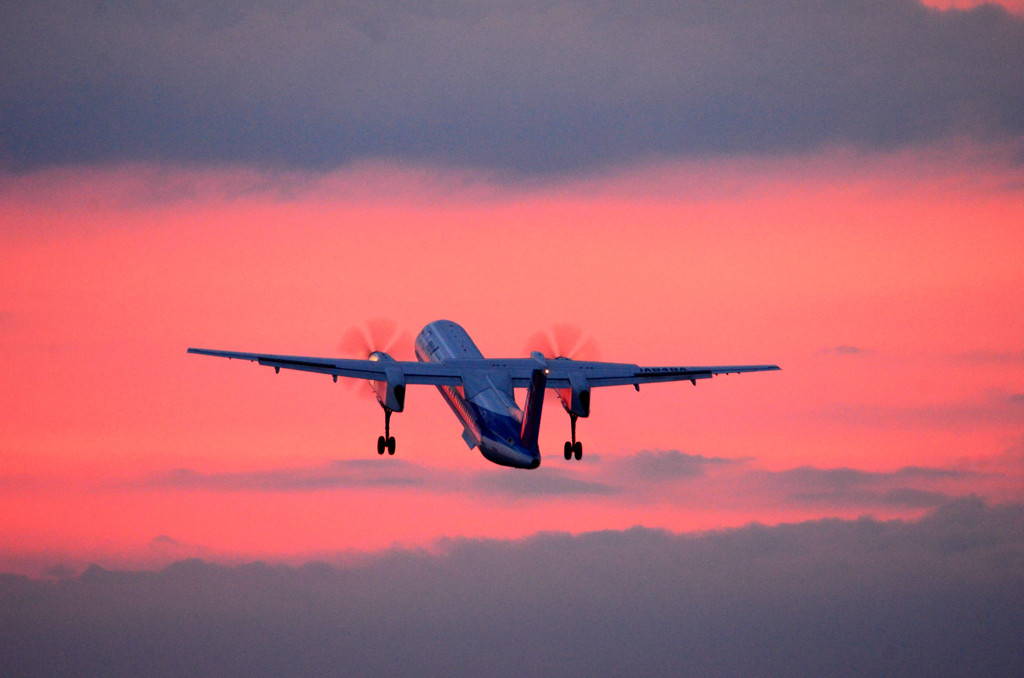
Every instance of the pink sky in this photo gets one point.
(1016, 6)
(887, 288)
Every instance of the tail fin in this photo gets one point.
(534, 405)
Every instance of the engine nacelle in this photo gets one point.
(391, 392)
(576, 398)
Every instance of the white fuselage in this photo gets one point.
(486, 407)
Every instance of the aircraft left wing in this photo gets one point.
(563, 372)
(375, 370)
(637, 375)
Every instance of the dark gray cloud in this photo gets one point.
(728, 483)
(164, 539)
(943, 596)
(381, 473)
(672, 464)
(647, 476)
(992, 357)
(551, 482)
(908, 487)
(995, 408)
(843, 349)
(337, 474)
(547, 85)
(59, 571)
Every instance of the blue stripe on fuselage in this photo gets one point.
(489, 414)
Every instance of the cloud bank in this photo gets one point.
(941, 596)
(523, 87)
(645, 477)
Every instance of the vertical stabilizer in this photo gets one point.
(532, 411)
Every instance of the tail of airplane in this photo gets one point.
(532, 410)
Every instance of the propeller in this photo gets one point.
(564, 341)
(378, 334)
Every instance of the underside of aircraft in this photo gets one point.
(481, 391)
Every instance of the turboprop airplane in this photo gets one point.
(480, 391)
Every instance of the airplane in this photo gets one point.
(480, 391)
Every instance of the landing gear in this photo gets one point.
(386, 444)
(386, 441)
(573, 448)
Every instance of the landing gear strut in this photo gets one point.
(573, 448)
(386, 441)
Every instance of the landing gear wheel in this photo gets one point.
(386, 441)
(573, 448)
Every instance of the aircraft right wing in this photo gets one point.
(375, 370)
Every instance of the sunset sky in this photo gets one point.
(882, 274)
(836, 188)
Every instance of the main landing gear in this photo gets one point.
(573, 448)
(386, 441)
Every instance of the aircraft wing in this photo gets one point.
(375, 370)
(563, 372)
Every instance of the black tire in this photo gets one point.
(391, 445)
(577, 450)
(381, 444)
(568, 450)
